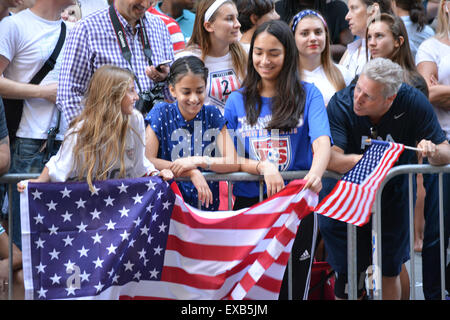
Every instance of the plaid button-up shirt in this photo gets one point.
(93, 43)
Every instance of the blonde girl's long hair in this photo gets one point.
(101, 127)
(200, 37)
(443, 28)
(332, 72)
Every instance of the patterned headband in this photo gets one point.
(299, 16)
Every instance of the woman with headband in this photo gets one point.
(315, 63)
(334, 13)
(215, 40)
(253, 13)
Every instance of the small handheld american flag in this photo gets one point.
(352, 198)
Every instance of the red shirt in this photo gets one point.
(176, 36)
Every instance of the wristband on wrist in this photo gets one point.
(257, 165)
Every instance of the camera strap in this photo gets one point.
(123, 43)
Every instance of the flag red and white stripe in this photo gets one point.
(352, 198)
(230, 254)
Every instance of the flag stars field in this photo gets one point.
(66, 193)
(123, 188)
(98, 242)
(66, 216)
(82, 231)
(52, 205)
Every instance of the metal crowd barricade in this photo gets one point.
(12, 179)
(241, 176)
(376, 224)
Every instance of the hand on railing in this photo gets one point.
(272, 177)
(204, 192)
(21, 185)
(185, 164)
(313, 182)
(166, 174)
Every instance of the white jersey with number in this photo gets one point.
(222, 77)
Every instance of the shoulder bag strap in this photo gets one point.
(51, 61)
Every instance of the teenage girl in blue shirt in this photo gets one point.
(275, 116)
(278, 119)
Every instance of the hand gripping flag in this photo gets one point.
(353, 196)
(137, 239)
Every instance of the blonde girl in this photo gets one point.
(107, 140)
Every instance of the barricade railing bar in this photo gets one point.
(410, 170)
(12, 179)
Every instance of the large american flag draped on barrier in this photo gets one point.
(136, 238)
(352, 198)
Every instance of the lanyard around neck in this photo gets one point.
(122, 40)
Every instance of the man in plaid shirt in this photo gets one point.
(93, 43)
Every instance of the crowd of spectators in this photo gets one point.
(284, 84)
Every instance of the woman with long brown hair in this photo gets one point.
(387, 37)
(279, 119)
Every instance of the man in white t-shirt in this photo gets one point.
(27, 40)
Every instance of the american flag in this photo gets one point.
(138, 239)
(353, 196)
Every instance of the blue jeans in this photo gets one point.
(27, 157)
(431, 274)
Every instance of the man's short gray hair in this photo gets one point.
(386, 72)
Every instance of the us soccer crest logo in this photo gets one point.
(277, 150)
(222, 83)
